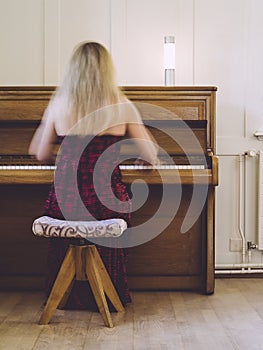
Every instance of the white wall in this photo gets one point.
(218, 42)
(21, 42)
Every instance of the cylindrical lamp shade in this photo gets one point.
(169, 60)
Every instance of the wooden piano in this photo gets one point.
(172, 260)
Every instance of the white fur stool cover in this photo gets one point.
(48, 227)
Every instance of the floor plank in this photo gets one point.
(230, 319)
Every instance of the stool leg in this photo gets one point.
(106, 281)
(97, 287)
(64, 278)
(66, 296)
(79, 271)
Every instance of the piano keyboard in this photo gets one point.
(160, 167)
(27, 167)
(122, 167)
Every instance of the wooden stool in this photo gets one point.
(82, 262)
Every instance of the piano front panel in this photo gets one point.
(23, 103)
(170, 261)
(175, 253)
(174, 137)
(186, 103)
(10, 133)
(22, 255)
(167, 134)
(185, 110)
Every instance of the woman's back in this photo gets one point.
(88, 181)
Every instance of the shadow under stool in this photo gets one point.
(82, 262)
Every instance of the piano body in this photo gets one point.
(170, 261)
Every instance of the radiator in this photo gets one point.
(260, 200)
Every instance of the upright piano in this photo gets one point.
(182, 120)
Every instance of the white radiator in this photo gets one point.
(260, 200)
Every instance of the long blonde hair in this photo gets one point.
(88, 84)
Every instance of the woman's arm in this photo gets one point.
(136, 130)
(147, 146)
(42, 143)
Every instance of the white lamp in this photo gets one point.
(259, 135)
(169, 60)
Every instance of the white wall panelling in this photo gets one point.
(21, 42)
(83, 20)
(118, 45)
(227, 210)
(254, 69)
(67, 23)
(138, 31)
(52, 42)
(220, 60)
(185, 43)
(148, 22)
(218, 43)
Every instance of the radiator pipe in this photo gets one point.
(260, 199)
(233, 266)
(241, 159)
(233, 272)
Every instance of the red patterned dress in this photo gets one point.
(74, 196)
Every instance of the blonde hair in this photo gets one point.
(88, 84)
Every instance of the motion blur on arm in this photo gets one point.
(42, 144)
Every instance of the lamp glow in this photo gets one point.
(169, 60)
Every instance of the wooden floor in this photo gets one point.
(232, 318)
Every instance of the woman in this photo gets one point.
(89, 116)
